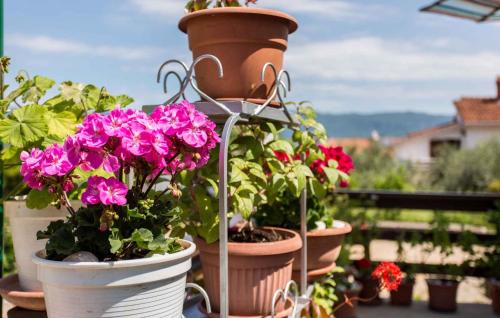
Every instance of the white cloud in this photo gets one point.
(339, 9)
(327, 8)
(47, 44)
(376, 59)
(165, 8)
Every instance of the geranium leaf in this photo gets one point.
(61, 124)
(38, 199)
(25, 125)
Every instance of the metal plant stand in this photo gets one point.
(229, 114)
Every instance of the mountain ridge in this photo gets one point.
(387, 124)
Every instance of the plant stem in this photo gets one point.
(152, 183)
(65, 201)
(348, 301)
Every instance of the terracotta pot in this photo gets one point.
(347, 311)
(443, 294)
(256, 271)
(323, 247)
(369, 290)
(404, 295)
(495, 296)
(244, 40)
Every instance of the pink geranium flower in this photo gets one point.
(112, 191)
(91, 133)
(91, 194)
(55, 161)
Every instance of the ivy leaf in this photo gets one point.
(331, 174)
(316, 188)
(282, 145)
(25, 125)
(61, 124)
(38, 199)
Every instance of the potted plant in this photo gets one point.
(29, 118)
(443, 286)
(338, 294)
(329, 168)
(244, 40)
(403, 296)
(493, 263)
(118, 255)
(260, 258)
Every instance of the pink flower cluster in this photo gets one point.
(175, 137)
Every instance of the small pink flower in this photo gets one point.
(91, 160)
(72, 149)
(55, 161)
(91, 133)
(112, 191)
(137, 140)
(91, 194)
(114, 122)
(33, 159)
(68, 185)
(111, 163)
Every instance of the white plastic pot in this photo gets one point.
(150, 287)
(24, 224)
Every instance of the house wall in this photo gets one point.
(476, 134)
(417, 148)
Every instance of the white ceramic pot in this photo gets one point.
(24, 224)
(151, 287)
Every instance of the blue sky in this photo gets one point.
(347, 56)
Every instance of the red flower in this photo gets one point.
(282, 156)
(363, 263)
(344, 161)
(389, 275)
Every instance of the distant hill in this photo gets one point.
(387, 124)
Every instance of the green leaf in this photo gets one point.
(244, 203)
(61, 124)
(39, 199)
(316, 188)
(214, 185)
(282, 145)
(72, 91)
(124, 100)
(142, 237)
(40, 86)
(332, 174)
(25, 125)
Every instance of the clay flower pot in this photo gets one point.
(369, 290)
(256, 271)
(244, 39)
(443, 294)
(404, 295)
(323, 247)
(495, 296)
(347, 311)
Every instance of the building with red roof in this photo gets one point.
(477, 119)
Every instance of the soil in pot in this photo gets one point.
(370, 291)
(323, 246)
(443, 294)
(256, 271)
(404, 295)
(495, 296)
(244, 40)
(347, 311)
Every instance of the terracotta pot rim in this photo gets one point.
(10, 286)
(292, 22)
(347, 228)
(437, 282)
(289, 245)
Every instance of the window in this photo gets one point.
(437, 145)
